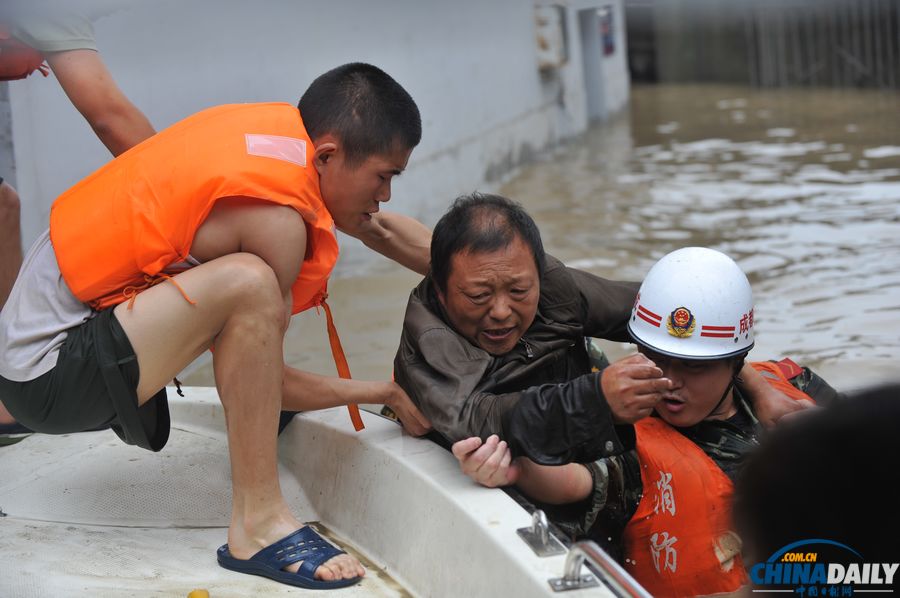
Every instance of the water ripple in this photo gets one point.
(804, 192)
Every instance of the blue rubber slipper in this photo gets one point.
(303, 545)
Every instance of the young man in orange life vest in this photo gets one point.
(666, 505)
(212, 233)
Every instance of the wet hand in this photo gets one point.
(414, 422)
(632, 387)
(774, 407)
(770, 404)
(489, 463)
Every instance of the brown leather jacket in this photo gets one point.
(541, 397)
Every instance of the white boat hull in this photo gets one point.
(87, 515)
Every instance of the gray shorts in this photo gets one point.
(94, 385)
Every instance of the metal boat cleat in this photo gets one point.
(538, 536)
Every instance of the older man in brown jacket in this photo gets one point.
(494, 342)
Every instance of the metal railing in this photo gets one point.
(619, 581)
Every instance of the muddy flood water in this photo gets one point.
(801, 187)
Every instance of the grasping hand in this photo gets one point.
(632, 387)
(769, 403)
(406, 411)
(489, 463)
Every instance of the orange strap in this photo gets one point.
(340, 361)
(337, 351)
(131, 292)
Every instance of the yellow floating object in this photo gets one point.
(198, 594)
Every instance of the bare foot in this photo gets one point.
(342, 566)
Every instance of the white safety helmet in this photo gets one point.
(695, 303)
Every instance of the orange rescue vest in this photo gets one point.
(116, 231)
(139, 213)
(18, 59)
(680, 541)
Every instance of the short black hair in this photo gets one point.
(363, 107)
(480, 223)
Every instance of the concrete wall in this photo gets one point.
(768, 43)
(470, 65)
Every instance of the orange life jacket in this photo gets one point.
(139, 213)
(117, 229)
(779, 374)
(18, 59)
(680, 541)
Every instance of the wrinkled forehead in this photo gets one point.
(511, 260)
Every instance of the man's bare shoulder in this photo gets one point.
(236, 224)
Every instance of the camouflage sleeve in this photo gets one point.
(603, 515)
(815, 386)
(576, 519)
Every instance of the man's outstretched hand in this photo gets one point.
(406, 411)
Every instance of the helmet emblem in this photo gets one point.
(681, 322)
